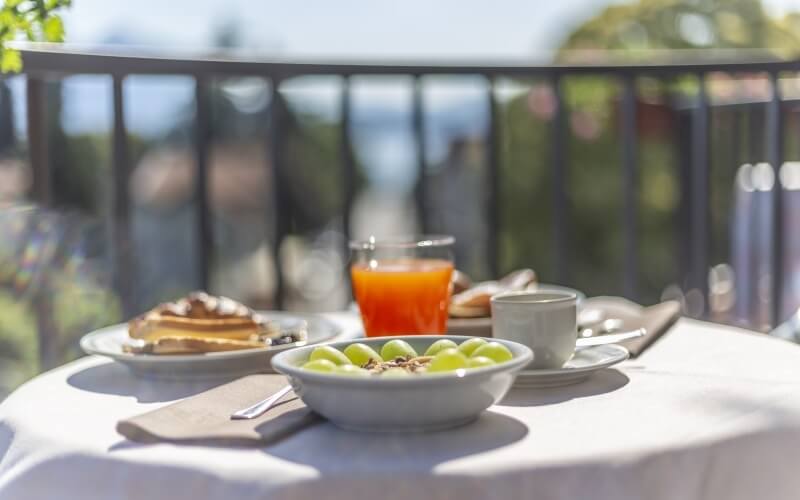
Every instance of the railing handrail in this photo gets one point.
(41, 58)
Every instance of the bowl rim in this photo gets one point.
(281, 364)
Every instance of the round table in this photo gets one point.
(708, 412)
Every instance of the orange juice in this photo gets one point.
(403, 296)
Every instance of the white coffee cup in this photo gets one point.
(545, 321)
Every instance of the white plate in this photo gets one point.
(583, 363)
(109, 341)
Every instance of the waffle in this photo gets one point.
(204, 323)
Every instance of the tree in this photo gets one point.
(632, 31)
(34, 20)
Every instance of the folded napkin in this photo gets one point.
(656, 320)
(204, 419)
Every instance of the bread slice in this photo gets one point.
(192, 345)
(458, 311)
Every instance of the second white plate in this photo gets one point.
(583, 364)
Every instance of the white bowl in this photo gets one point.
(422, 402)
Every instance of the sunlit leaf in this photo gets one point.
(56, 4)
(35, 21)
(7, 18)
(10, 61)
(53, 29)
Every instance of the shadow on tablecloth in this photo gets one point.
(113, 378)
(602, 382)
(332, 450)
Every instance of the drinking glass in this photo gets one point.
(402, 285)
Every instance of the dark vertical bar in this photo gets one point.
(736, 138)
(8, 139)
(774, 145)
(202, 144)
(418, 126)
(347, 158)
(36, 102)
(42, 193)
(682, 136)
(281, 207)
(560, 206)
(119, 223)
(630, 175)
(700, 191)
(492, 184)
(755, 129)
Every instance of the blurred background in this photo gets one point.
(59, 247)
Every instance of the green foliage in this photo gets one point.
(635, 29)
(81, 307)
(631, 32)
(76, 305)
(314, 179)
(594, 186)
(33, 20)
(19, 344)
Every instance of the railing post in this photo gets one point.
(36, 102)
(119, 220)
(630, 175)
(8, 139)
(347, 158)
(774, 145)
(493, 184)
(700, 191)
(736, 134)
(418, 126)
(41, 193)
(755, 130)
(561, 218)
(281, 207)
(348, 165)
(201, 190)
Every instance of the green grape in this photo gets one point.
(333, 355)
(320, 365)
(468, 346)
(396, 349)
(440, 345)
(494, 351)
(396, 372)
(360, 354)
(351, 371)
(447, 360)
(479, 362)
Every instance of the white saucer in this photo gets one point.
(583, 363)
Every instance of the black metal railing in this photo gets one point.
(47, 63)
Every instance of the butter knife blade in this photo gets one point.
(611, 338)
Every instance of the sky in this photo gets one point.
(337, 28)
(464, 29)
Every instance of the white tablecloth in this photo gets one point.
(709, 412)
